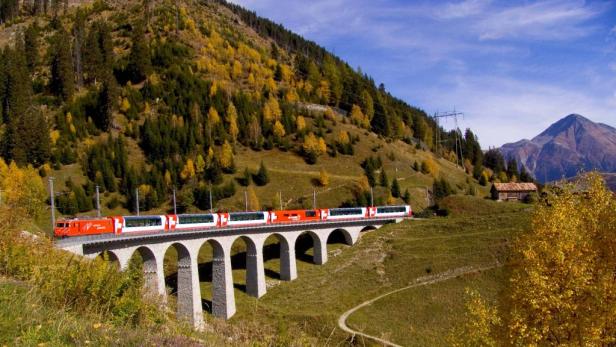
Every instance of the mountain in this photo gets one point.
(156, 96)
(570, 145)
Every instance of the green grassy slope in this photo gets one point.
(384, 260)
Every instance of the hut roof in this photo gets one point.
(515, 187)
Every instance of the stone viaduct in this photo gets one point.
(152, 249)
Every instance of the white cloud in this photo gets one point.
(462, 9)
(551, 20)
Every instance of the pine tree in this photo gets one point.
(383, 180)
(31, 43)
(525, 176)
(395, 188)
(494, 160)
(17, 143)
(406, 197)
(79, 33)
(98, 53)
(262, 177)
(33, 134)
(380, 121)
(62, 74)
(140, 62)
(441, 188)
(103, 118)
(512, 168)
(246, 178)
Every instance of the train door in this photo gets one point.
(118, 224)
(172, 221)
(324, 214)
(224, 219)
(371, 211)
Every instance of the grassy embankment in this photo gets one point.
(477, 234)
(305, 311)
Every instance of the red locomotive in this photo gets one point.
(186, 222)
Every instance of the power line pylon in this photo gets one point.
(437, 133)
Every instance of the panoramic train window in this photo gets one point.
(238, 217)
(62, 225)
(311, 213)
(391, 209)
(142, 222)
(344, 211)
(196, 219)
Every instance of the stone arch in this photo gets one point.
(319, 247)
(250, 259)
(153, 280)
(111, 257)
(340, 235)
(368, 228)
(108, 256)
(285, 250)
(219, 272)
(274, 250)
(240, 247)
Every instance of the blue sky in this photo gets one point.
(512, 67)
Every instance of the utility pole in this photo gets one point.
(280, 199)
(371, 197)
(211, 203)
(137, 199)
(437, 133)
(53, 204)
(314, 198)
(98, 203)
(246, 200)
(175, 206)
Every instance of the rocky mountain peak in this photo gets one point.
(567, 147)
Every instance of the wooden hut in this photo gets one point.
(512, 191)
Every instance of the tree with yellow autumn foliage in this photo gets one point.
(300, 124)
(279, 131)
(429, 166)
(562, 287)
(232, 122)
(253, 200)
(23, 191)
(226, 158)
(323, 178)
(313, 147)
(188, 171)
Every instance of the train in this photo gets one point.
(187, 222)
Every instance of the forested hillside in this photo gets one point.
(162, 95)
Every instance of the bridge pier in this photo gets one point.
(189, 288)
(255, 270)
(223, 297)
(319, 239)
(288, 264)
(153, 266)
